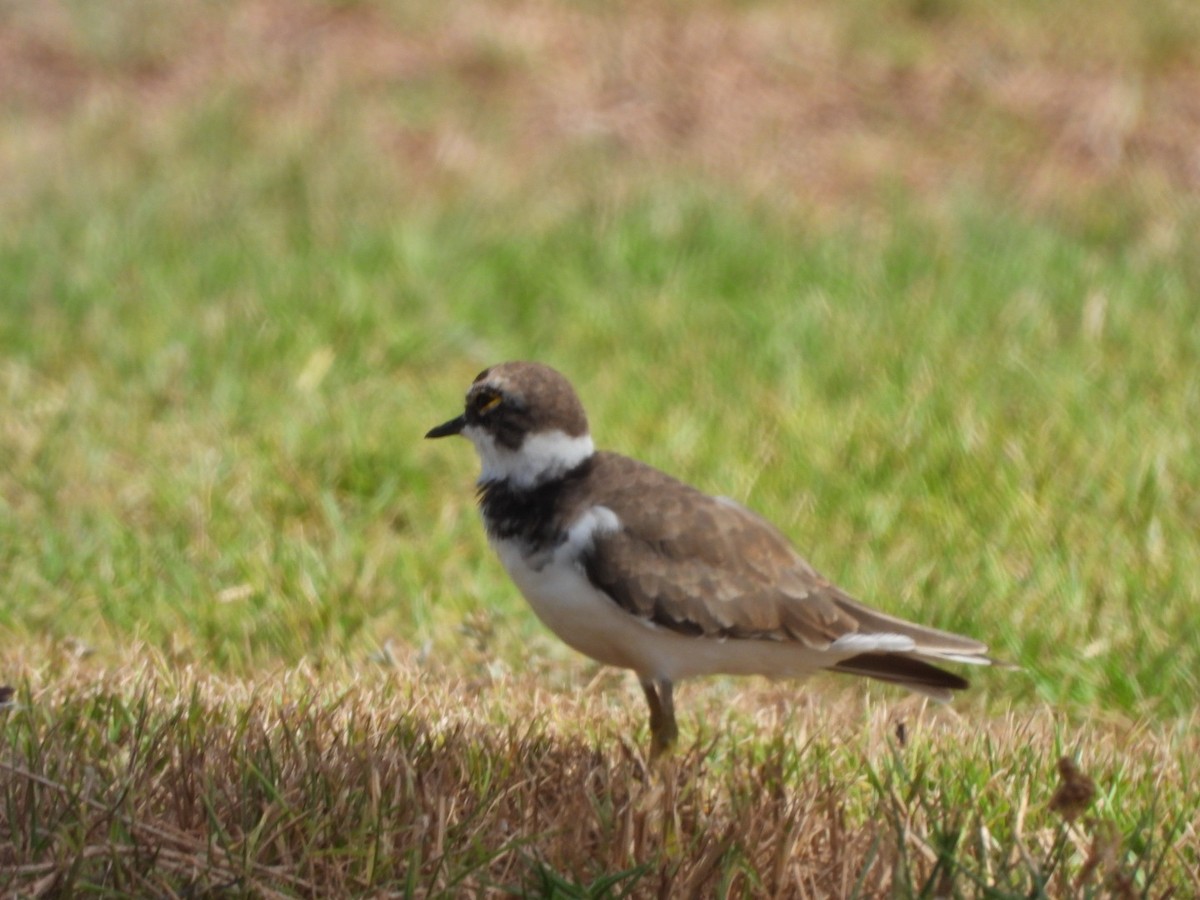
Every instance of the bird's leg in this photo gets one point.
(669, 732)
(663, 730)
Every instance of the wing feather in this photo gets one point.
(707, 566)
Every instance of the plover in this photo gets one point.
(635, 569)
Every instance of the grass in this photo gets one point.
(239, 587)
(256, 452)
(161, 781)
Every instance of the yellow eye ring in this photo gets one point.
(491, 403)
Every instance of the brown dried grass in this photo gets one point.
(152, 781)
(824, 103)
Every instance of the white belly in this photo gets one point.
(592, 623)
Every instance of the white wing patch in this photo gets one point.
(594, 522)
(874, 643)
(959, 658)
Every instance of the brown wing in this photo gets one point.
(707, 566)
(703, 565)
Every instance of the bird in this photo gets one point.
(638, 570)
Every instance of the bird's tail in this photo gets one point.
(905, 671)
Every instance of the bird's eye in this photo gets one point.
(487, 404)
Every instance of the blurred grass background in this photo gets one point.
(916, 280)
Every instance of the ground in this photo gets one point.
(912, 279)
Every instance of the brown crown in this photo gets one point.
(537, 399)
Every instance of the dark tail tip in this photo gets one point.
(901, 670)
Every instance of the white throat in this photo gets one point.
(541, 457)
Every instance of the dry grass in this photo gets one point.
(151, 781)
(824, 103)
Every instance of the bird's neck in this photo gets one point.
(533, 514)
(541, 458)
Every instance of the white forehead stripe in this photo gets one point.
(541, 457)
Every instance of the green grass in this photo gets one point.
(215, 421)
(228, 315)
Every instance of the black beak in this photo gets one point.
(454, 426)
